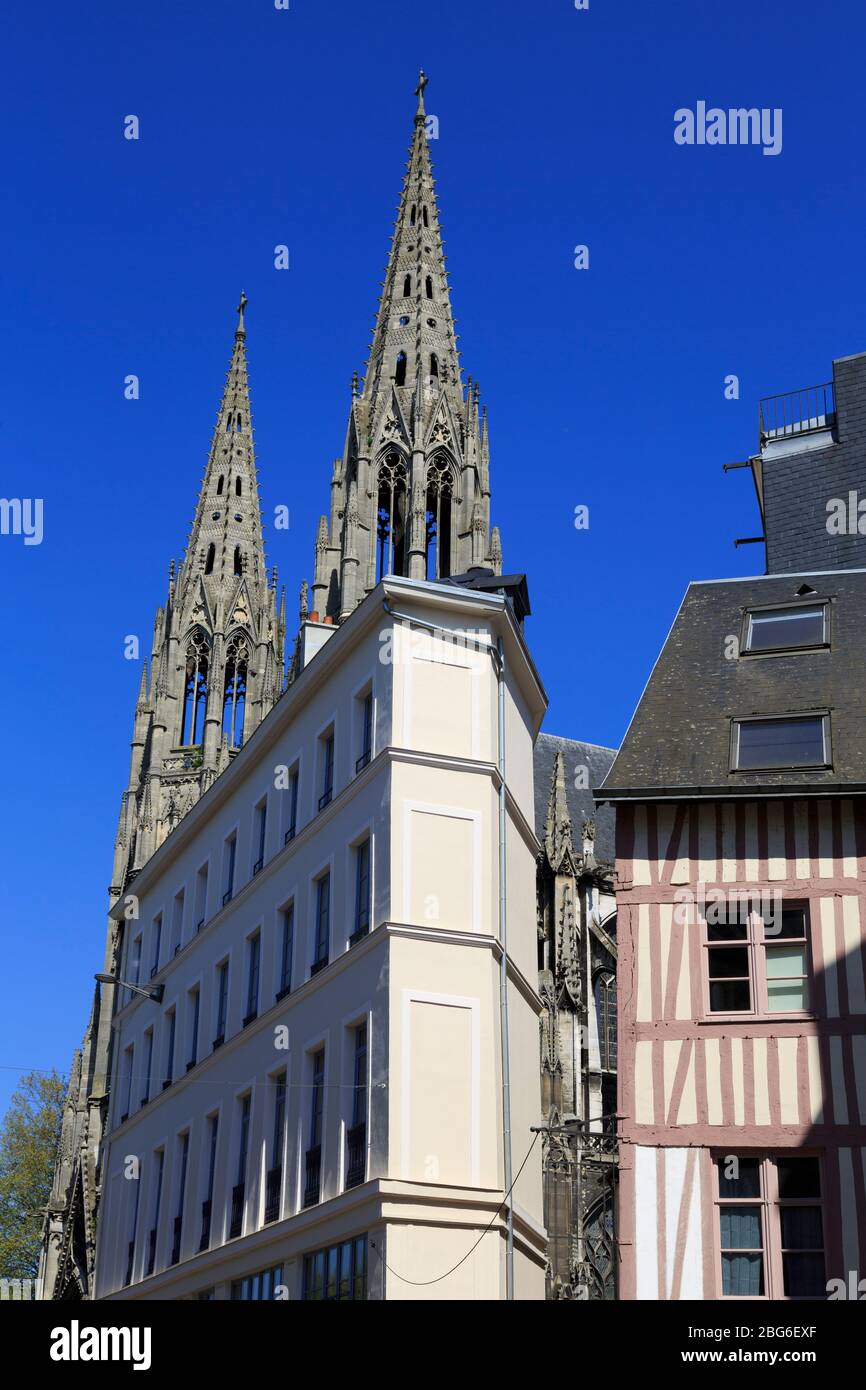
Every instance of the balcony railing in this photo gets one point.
(204, 1240)
(362, 762)
(356, 1155)
(237, 1220)
(326, 796)
(796, 412)
(151, 1250)
(313, 1179)
(175, 1243)
(273, 1189)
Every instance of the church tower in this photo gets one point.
(217, 655)
(216, 669)
(411, 493)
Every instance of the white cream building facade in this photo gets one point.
(378, 1024)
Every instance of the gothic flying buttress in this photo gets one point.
(411, 492)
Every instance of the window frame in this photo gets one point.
(771, 1205)
(806, 605)
(799, 716)
(756, 944)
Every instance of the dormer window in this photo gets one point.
(786, 629)
(786, 742)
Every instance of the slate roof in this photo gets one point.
(679, 739)
(580, 800)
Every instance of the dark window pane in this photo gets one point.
(728, 962)
(786, 627)
(730, 996)
(802, 1228)
(726, 931)
(793, 923)
(743, 1275)
(781, 743)
(740, 1228)
(799, 1177)
(745, 1179)
(804, 1276)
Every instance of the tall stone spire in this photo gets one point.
(217, 654)
(410, 494)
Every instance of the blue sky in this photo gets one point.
(605, 387)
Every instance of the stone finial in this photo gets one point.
(241, 331)
(423, 80)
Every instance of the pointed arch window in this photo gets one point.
(391, 516)
(424, 215)
(605, 1011)
(407, 286)
(238, 487)
(229, 423)
(400, 370)
(239, 562)
(235, 690)
(440, 488)
(195, 689)
(434, 364)
(428, 287)
(211, 556)
(220, 485)
(412, 215)
(240, 422)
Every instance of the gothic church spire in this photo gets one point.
(411, 493)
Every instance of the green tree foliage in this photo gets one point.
(28, 1146)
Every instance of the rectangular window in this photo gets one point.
(279, 1119)
(177, 1235)
(194, 1010)
(243, 1145)
(128, 1070)
(327, 765)
(154, 1229)
(783, 629)
(133, 1228)
(253, 954)
(229, 855)
(207, 1203)
(323, 923)
(148, 1065)
(222, 1002)
(361, 924)
(317, 1099)
(201, 897)
(756, 966)
(313, 1157)
(267, 1284)
(239, 1189)
(177, 923)
(366, 731)
(356, 1135)
(789, 742)
(261, 830)
(157, 943)
(169, 1053)
(286, 949)
(338, 1274)
(294, 784)
(770, 1224)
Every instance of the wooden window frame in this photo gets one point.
(771, 1205)
(756, 944)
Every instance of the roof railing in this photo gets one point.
(796, 412)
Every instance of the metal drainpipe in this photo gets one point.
(498, 655)
(503, 981)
